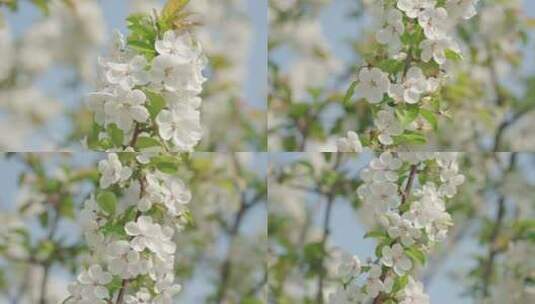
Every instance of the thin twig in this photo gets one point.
(330, 196)
(488, 267)
(404, 198)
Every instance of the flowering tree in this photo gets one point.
(375, 97)
(89, 229)
(411, 208)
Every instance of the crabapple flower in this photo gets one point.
(391, 33)
(436, 49)
(373, 84)
(128, 74)
(388, 126)
(181, 47)
(351, 143)
(395, 258)
(149, 235)
(349, 266)
(413, 8)
(414, 293)
(465, 9)
(92, 282)
(127, 109)
(434, 22)
(112, 171)
(177, 196)
(375, 284)
(181, 125)
(141, 297)
(415, 84)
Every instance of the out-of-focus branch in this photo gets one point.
(330, 196)
(488, 266)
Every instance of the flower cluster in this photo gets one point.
(129, 226)
(149, 90)
(412, 220)
(402, 82)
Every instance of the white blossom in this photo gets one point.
(413, 8)
(112, 171)
(388, 126)
(373, 84)
(128, 74)
(150, 235)
(351, 143)
(127, 108)
(181, 125)
(391, 33)
(395, 258)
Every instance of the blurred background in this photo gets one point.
(41, 196)
(299, 188)
(49, 53)
(317, 46)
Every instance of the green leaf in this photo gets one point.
(391, 66)
(107, 201)
(416, 255)
(410, 138)
(350, 92)
(400, 283)
(116, 135)
(298, 110)
(376, 234)
(408, 115)
(166, 164)
(453, 56)
(66, 207)
(142, 46)
(42, 5)
(431, 118)
(155, 104)
(43, 218)
(172, 8)
(144, 142)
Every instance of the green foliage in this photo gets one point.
(116, 135)
(400, 283)
(376, 234)
(453, 56)
(66, 207)
(166, 164)
(416, 255)
(156, 103)
(410, 138)
(107, 201)
(350, 92)
(407, 114)
(144, 142)
(143, 35)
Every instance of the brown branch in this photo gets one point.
(404, 198)
(488, 267)
(330, 196)
(135, 136)
(124, 283)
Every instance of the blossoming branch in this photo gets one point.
(403, 80)
(150, 86)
